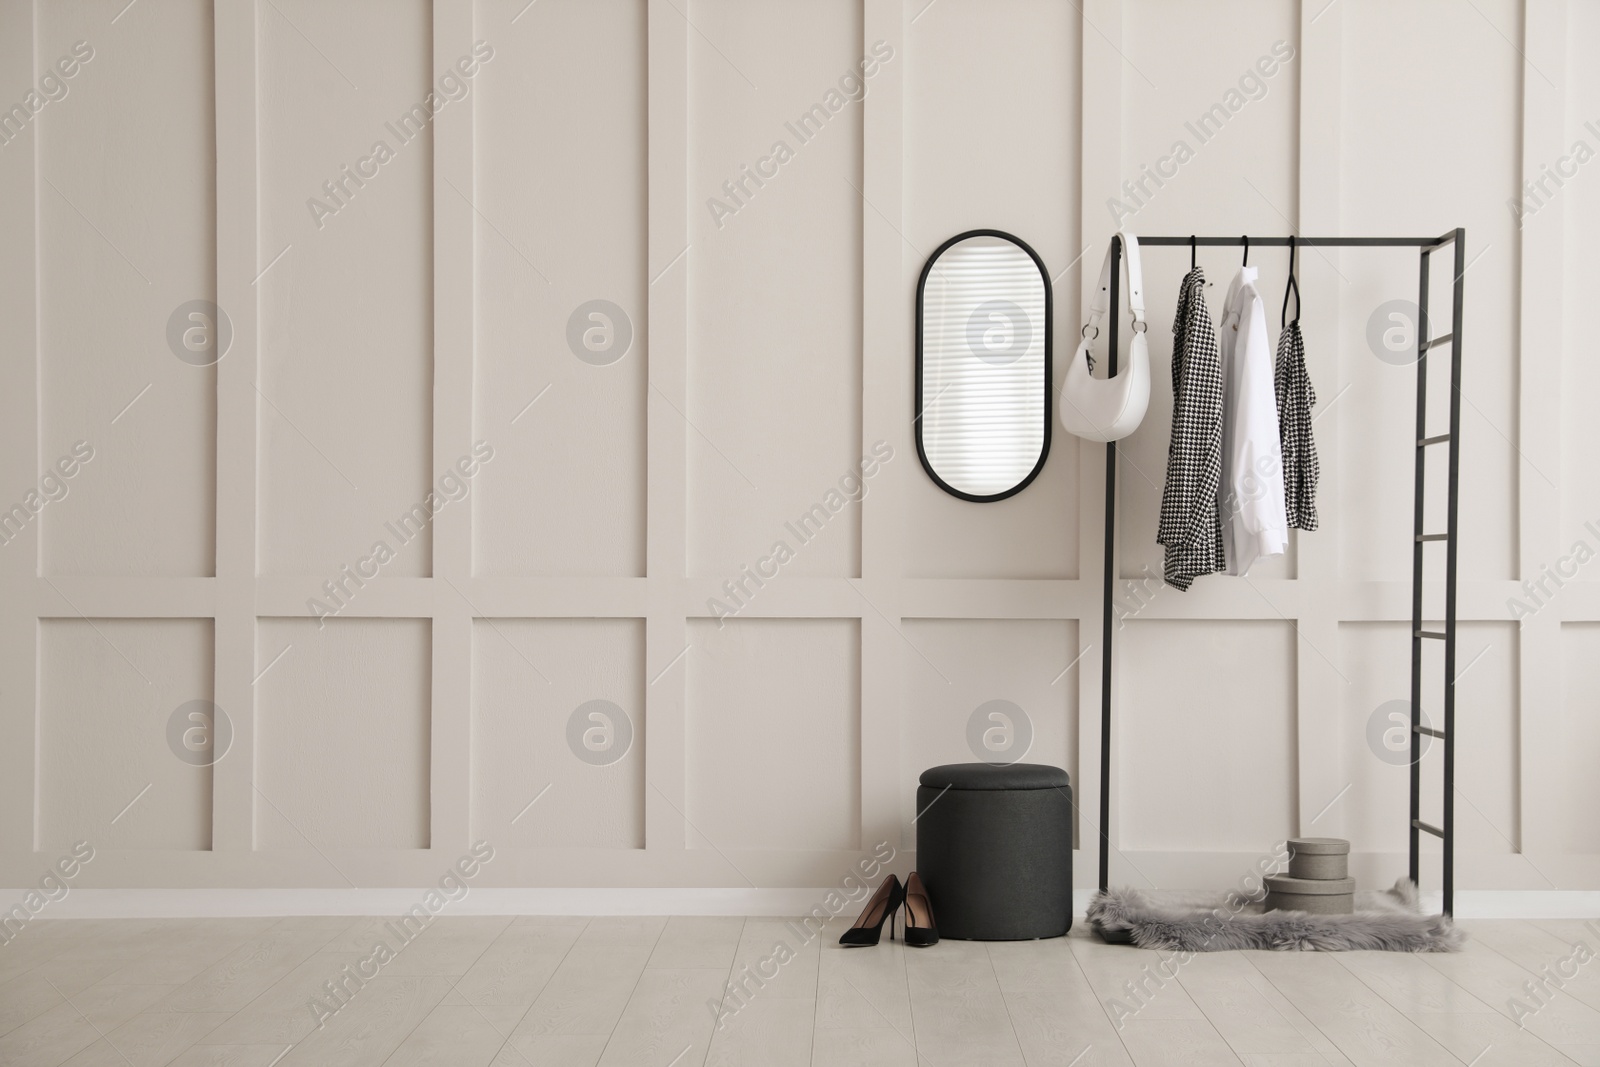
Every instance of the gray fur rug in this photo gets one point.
(1390, 921)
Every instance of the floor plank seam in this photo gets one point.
(616, 1023)
(1201, 1008)
(816, 995)
(744, 924)
(911, 1009)
(453, 983)
(1111, 1022)
(543, 986)
(1352, 972)
(1329, 1038)
(1011, 1020)
(1525, 970)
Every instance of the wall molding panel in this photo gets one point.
(605, 557)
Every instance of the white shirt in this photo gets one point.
(1250, 496)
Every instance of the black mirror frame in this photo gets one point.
(1049, 319)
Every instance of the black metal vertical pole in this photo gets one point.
(1109, 582)
(1458, 306)
(1414, 867)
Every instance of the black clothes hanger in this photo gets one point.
(1194, 262)
(1246, 240)
(1294, 287)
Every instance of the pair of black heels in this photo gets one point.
(885, 903)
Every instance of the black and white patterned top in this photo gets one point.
(1191, 527)
(1296, 398)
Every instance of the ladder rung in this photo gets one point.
(1433, 537)
(1430, 731)
(1424, 442)
(1427, 828)
(1435, 634)
(1434, 342)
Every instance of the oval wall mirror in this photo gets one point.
(983, 365)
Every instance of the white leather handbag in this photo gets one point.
(1109, 409)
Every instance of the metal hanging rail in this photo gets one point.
(1420, 537)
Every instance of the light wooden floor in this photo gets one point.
(537, 992)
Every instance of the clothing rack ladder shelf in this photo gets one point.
(1421, 538)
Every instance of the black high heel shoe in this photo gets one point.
(919, 929)
(880, 909)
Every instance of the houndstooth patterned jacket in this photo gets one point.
(1296, 398)
(1191, 527)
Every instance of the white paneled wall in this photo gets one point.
(774, 729)
(1447, 136)
(530, 679)
(557, 486)
(107, 690)
(346, 375)
(125, 202)
(1226, 756)
(773, 415)
(957, 670)
(560, 226)
(342, 734)
(991, 142)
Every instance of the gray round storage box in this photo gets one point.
(1319, 857)
(994, 849)
(1318, 896)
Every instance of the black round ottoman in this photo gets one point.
(994, 849)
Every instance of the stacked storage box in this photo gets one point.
(1318, 880)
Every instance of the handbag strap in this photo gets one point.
(1133, 273)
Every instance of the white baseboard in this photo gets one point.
(238, 903)
(1521, 903)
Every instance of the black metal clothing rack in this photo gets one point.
(1424, 344)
